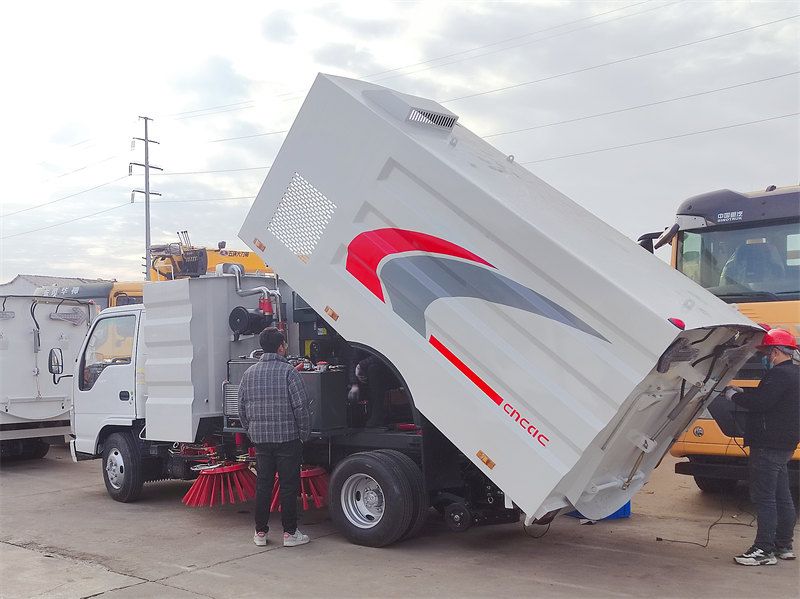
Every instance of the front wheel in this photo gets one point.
(122, 467)
(371, 499)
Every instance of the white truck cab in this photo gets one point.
(109, 377)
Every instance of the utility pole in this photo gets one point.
(147, 193)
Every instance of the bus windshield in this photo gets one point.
(751, 263)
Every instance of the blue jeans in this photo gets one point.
(769, 490)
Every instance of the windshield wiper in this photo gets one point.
(749, 293)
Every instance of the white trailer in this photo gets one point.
(522, 355)
(34, 409)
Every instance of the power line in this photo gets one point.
(85, 166)
(212, 112)
(618, 61)
(205, 200)
(72, 195)
(224, 170)
(248, 136)
(85, 216)
(656, 103)
(72, 220)
(210, 108)
(651, 141)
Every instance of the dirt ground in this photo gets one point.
(62, 536)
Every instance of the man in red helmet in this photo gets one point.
(772, 431)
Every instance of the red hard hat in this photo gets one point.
(778, 337)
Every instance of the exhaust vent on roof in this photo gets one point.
(412, 109)
(301, 217)
(445, 121)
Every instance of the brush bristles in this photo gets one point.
(218, 486)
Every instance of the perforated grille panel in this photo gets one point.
(445, 121)
(301, 217)
(230, 399)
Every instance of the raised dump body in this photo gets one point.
(527, 330)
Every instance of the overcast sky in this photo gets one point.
(76, 76)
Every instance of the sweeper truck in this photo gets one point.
(470, 338)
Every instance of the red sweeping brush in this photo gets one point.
(217, 484)
(313, 487)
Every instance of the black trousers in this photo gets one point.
(285, 458)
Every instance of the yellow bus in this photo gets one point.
(745, 249)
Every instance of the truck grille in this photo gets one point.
(230, 400)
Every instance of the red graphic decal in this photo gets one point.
(468, 372)
(510, 410)
(366, 251)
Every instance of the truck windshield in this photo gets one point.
(750, 263)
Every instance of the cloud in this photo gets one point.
(277, 27)
(216, 82)
(359, 27)
(345, 57)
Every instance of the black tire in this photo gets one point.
(397, 498)
(39, 449)
(715, 485)
(419, 496)
(125, 478)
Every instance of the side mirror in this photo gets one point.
(55, 364)
(646, 240)
(55, 361)
(667, 236)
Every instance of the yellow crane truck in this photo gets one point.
(181, 260)
(745, 249)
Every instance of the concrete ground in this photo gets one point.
(62, 536)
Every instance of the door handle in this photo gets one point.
(125, 395)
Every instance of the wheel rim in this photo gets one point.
(362, 501)
(115, 468)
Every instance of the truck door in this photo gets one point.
(105, 379)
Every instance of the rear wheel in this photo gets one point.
(715, 485)
(122, 467)
(371, 499)
(39, 449)
(420, 501)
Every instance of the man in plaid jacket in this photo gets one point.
(273, 408)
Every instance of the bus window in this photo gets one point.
(793, 250)
(744, 263)
(689, 256)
